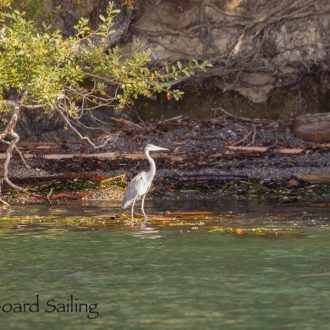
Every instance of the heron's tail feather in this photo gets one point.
(126, 204)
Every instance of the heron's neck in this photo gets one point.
(152, 170)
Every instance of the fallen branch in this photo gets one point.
(173, 118)
(210, 177)
(243, 139)
(291, 151)
(102, 156)
(280, 150)
(63, 177)
(171, 157)
(71, 196)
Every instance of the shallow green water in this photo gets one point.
(169, 277)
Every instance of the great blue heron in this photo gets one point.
(141, 183)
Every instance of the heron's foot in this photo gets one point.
(143, 225)
(134, 221)
(129, 223)
(145, 218)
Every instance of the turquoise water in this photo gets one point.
(163, 277)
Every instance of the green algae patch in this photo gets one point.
(98, 187)
(123, 222)
(78, 185)
(101, 188)
(257, 232)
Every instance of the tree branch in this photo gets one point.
(82, 137)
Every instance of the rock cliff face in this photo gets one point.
(270, 59)
(256, 46)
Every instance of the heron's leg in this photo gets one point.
(142, 207)
(133, 208)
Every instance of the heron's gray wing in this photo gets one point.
(133, 189)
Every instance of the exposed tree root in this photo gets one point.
(9, 132)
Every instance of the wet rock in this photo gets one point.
(313, 127)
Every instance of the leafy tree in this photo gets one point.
(40, 69)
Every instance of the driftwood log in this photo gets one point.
(50, 151)
(316, 178)
(313, 127)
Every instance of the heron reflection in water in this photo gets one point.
(141, 183)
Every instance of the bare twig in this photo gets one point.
(22, 158)
(82, 137)
(49, 195)
(62, 110)
(243, 139)
(34, 106)
(255, 121)
(173, 118)
(254, 135)
(141, 120)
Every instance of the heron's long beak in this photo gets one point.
(156, 148)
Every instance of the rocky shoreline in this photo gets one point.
(205, 157)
